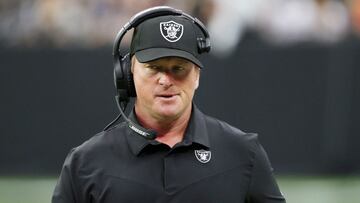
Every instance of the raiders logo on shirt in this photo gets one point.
(203, 156)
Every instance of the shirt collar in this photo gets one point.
(196, 132)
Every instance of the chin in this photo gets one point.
(169, 111)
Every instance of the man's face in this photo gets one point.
(165, 87)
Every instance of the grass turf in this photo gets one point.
(297, 189)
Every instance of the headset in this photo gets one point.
(122, 64)
(123, 77)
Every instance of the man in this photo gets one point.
(194, 158)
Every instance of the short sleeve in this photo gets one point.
(65, 188)
(263, 186)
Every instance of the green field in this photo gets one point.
(297, 189)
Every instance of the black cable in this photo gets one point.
(118, 116)
(146, 133)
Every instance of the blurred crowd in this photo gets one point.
(94, 23)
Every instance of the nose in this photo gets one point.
(165, 79)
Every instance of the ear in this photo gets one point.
(133, 58)
(197, 80)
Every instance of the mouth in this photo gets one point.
(167, 96)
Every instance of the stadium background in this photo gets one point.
(286, 69)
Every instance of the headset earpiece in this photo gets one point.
(126, 66)
(123, 78)
(203, 45)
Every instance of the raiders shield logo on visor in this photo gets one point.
(171, 30)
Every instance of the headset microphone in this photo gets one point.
(146, 133)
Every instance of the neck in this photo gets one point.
(169, 131)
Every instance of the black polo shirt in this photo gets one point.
(215, 162)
